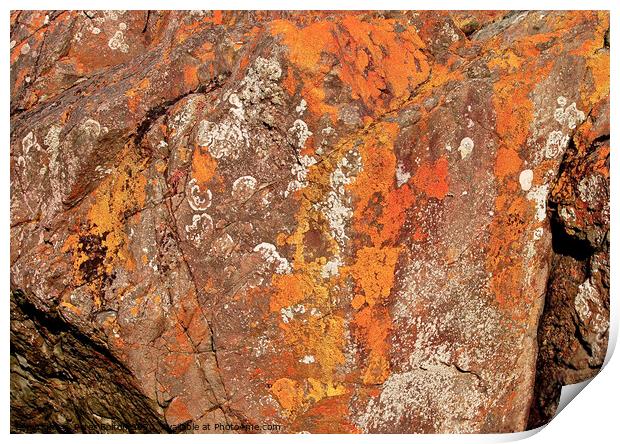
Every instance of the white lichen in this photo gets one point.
(201, 226)
(539, 195)
(197, 199)
(590, 188)
(336, 206)
(301, 108)
(223, 245)
(300, 171)
(525, 179)
(288, 313)
(402, 176)
(222, 139)
(300, 131)
(230, 135)
(567, 214)
(308, 359)
(569, 116)
(330, 268)
(556, 143)
(466, 147)
(243, 187)
(271, 256)
(117, 42)
(585, 293)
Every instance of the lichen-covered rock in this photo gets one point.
(322, 222)
(573, 331)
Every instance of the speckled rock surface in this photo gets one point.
(324, 222)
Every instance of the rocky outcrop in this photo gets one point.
(63, 381)
(573, 330)
(323, 222)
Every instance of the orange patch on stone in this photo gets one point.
(395, 212)
(134, 94)
(374, 58)
(177, 412)
(203, 166)
(330, 415)
(507, 163)
(372, 327)
(190, 76)
(432, 178)
(290, 290)
(373, 271)
(289, 393)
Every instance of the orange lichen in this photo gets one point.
(432, 178)
(190, 76)
(376, 59)
(177, 412)
(507, 162)
(597, 61)
(381, 208)
(398, 201)
(321, 337)
(514, 112)
(379, 213)
(357, 301)
(291, 289)
(203, 166)
(330, 415)
(118, 195)
(380, 58)
(372, 329)
(134, 95)
(307, 44)
(289, 393)
(373, 271)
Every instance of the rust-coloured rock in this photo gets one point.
(326, 222)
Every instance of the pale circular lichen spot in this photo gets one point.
(201, 226)
(198, 200)
(525, 179)
(466, 147)
(244, 187)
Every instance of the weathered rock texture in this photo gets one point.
(327, 222)
(63, 381)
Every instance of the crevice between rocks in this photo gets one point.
(571, 349)
(64, 381)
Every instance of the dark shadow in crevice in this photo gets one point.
(565, 244)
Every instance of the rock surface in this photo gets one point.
(322, 222)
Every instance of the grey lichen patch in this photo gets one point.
(440, 397)
(569, 116)
(258, 90)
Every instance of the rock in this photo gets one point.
(326, 222)
(63, 381)
(573, 331)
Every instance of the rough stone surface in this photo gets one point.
(58, 374)
(328, 222)
(573, 331)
